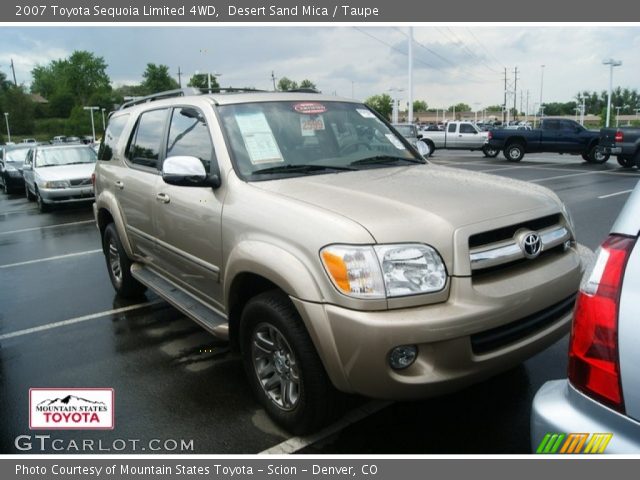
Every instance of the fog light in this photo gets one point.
(567, 245)
(403, 356)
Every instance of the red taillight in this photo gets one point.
(594, 366)
(619, 136)
(93, 179)
(489, 134)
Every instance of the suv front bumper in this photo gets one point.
(355, 345)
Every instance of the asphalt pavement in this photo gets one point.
(61, 325)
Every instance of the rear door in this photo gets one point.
(189, 218)
(550, 139)
(135, 183)
(570, 138)
(451, 136)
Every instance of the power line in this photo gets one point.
(486, 50)
(459, 43)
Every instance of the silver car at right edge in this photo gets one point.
(597, 409)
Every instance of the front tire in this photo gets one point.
(514, 152)
(28, 193)
(625, 162)
(282, 365)
(490, 152)
(42, 206)
(119, 265)
(596, 156)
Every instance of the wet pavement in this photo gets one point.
(172, 380)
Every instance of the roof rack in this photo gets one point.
(183, 92)
(302, 90)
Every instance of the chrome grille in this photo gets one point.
(78, 182)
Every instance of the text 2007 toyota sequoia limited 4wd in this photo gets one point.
(309, 233)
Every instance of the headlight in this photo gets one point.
(56, 184)
(384, 270)
(567, 215)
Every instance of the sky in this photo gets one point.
(452, 64)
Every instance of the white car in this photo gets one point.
(59, 174)
(597, 410)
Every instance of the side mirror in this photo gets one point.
(419, 135)
(186, 171)
(26, 167)
(423, 149)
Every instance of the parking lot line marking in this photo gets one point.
(48, 259)
(73, 321)
(33, 229)
(10, 212)
(614, 194)
(562, 176)
(295, 444)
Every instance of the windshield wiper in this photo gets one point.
(385, 160)
(304, 168)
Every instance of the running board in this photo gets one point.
(211, 320)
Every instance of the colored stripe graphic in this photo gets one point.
(574, 443)
(550, 443)
(598, 443)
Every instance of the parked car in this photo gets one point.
(555, 136)
(459, 136)
(411, 133)
(622, 142)
(73, 140)
(327, 250)
(29, 140)
(11, 163)
(59, 139)
(59, 174)
(602, 393)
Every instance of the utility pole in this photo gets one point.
(273, 79)
(410, 75)
(179, 78)
(527, 111)
(541, 86)
(13, 70)
(582, 111)
(611, 63)
(515, 93)
(504, 105)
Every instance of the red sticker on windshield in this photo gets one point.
(309, 108)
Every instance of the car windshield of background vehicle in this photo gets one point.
(65, 156)
(308, 137)
(17, 156)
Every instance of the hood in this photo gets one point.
(425, 203)
(66, 172)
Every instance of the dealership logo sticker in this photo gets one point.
(71, 409)
(310, 108)
(567, 443)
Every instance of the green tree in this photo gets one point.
(420, 106)
(285, 84)
(82, 74)
(61, 103)
(383, 104)
(494, 108)
(306, 83)
(460, 107)
(157, 79)
(20, 108)
(199, 80)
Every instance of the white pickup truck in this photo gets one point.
(459, 136)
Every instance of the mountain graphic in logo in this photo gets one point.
(70, 400)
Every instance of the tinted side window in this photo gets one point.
(111, 137)
(466, 128)
(551, 125)
(144, 147)
(568, 125)
(451, 128)
(189, 135)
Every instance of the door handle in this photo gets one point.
(119, 184)
(460, 135)
(163, 197)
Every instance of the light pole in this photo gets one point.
(93, 127)
(612, 63)
(103, 122)
(410, 75)
(618, 116)
(6, 119)
(541, 82)
(396, 99)
(477, 104)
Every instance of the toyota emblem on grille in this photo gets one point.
(531, 244)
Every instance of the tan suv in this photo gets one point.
(308, 232)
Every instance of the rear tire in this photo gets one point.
(596, 156)
(490, 152)
(514, 152)
(282, 365)
(432, 147)
(119, 265)
(5, 186)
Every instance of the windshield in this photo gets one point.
(64, 156)
(17, 155)
(307, 138)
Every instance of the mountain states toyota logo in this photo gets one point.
(71, 409)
